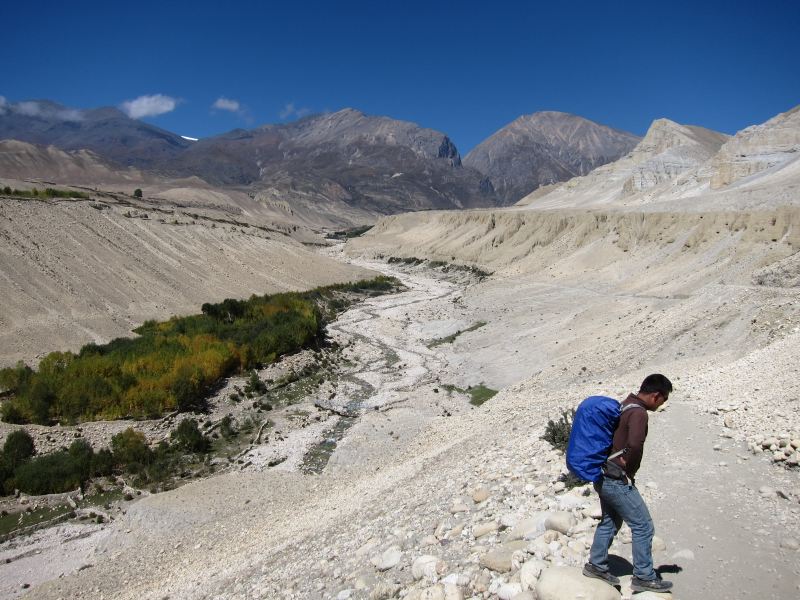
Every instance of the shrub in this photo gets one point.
(557, 432)
(81, 453)
(130, 450)
(187, 437)
(11, 413)
(59, 472)
(255, 385)
(226, 428)
(102, 463)
(48, 474)
(137, 193)
(18, 448)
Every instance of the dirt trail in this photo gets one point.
(715, 511)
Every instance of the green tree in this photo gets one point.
(130, 450)
(13, 379)
(18, 448)
(137, 193)
(102, 463)
(81, 453)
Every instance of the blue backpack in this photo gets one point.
(592, 436)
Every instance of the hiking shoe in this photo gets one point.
(650, 585)
(591, 571)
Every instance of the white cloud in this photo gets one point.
(29, 109)
(3, 105)
(37, 109)
(223, 103)
(149, 106)
(290, 110)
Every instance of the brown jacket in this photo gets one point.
(631, 434)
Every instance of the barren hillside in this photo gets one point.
(80, 271)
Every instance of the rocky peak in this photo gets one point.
(665, 134)
(543, 148)
(349, 126)
(758, 148)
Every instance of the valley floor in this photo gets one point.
(423, 472)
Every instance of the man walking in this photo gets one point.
(620, 500)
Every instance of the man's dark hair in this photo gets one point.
(656, 383)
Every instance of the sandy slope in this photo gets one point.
(73, 274)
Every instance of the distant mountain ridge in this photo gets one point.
(107, 131)
(346, 159)
(373, 164)
(545, 148)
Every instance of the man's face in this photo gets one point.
(655, 400)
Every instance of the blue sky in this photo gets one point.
(463, 68)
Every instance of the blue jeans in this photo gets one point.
(622, 502)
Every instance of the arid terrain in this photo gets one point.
(679, 258)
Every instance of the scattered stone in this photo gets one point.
(515, 545)
(428, 567)
(384, 590)
(560, 521)
(455, 531)
(480, 495)
(509, 590)
(528, 595)
(459, 507)
(593, 512)
(568, 583)
(440, 591)
(529, 573)
(497, 560)
(765, 490)
(571, 502)
(658, 544)
(485, 528)
(528, 529)
(790, 544)
(387, 560)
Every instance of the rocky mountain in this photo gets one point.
(107, 132)
(373, 165)
(545, 148)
